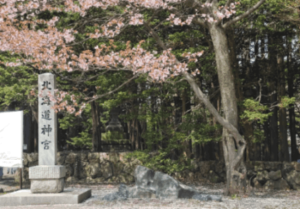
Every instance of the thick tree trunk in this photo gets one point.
(284, 152)
(265, 100)
(273, 120)
(233, 143)
(292, 124)
(96, 130)
(229, 106)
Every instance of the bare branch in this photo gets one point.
(200, 22)
(116, 89)
(250, 11)
(156, 37)
(233, 130)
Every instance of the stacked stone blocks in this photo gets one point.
(47, 179)
(90, 168)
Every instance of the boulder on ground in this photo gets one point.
(155, 184)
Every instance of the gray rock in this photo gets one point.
(61, 157)
(273, 166)
(155, 184)
(71, 158)
(256, 183)
(275, 175)
(93, 170)
(122, 194)
(258, 166)
(262, 176)
(280, 184)
(69, 170)
(293, 179)
(71, 179)
(106, 169)
(93, 158)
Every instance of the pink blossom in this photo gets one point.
(137, 19)
(220, 15)
(177, 21)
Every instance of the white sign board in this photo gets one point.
(11, 139)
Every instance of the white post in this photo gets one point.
(47, 177)
(47, 121)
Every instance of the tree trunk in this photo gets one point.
(266, 126)
(28, 130)
(273, 99)
(185, 107)
(265, 100)
(153, 112)
(233, 143)
(292, 124)
(143, 123)
(35, 128)
(96, 131)
(229, 106)
(196, 147)
(256, 147)
(284, 152)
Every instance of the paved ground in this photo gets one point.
(255, 199)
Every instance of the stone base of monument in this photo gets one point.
(47, 178)
(25, 197)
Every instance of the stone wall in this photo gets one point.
(112, 167)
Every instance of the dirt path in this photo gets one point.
(254, 200)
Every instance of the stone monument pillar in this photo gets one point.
(47, 177)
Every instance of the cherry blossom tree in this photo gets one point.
(52, 49)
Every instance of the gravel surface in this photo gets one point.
(255, 199)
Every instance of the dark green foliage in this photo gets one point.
(16, 84)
